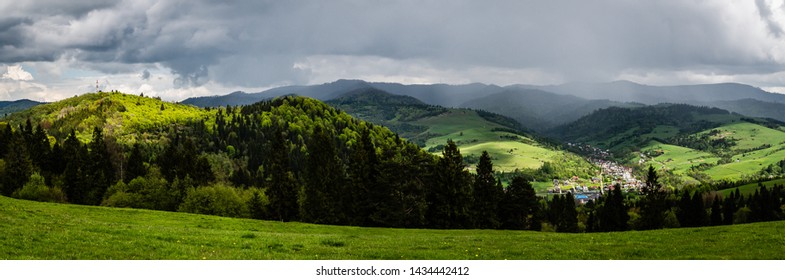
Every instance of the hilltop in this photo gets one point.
(122, 116)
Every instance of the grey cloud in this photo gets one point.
(766, 15)
(145, 75)
(256, 43)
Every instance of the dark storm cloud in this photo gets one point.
(257, 43)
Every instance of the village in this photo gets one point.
(611, 174)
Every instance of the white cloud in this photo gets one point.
(16, 73)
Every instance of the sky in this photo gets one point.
(51, 49)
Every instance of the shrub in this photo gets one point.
(123, 199)
(36, 189)
(216, 199)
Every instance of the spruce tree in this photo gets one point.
(74, 179)
(363, 172)
(519, 205)
(19, 167)
(487, 194)
(613, 214)
(569, 216)
(282, 188)
(135, 166)
(451, 196)
(325, 180)
(716, 212)
(654, 204)
(100, 173)
(728, 209)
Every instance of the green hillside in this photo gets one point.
(695, 143)
(474, 131)
(749, 189)
(123, 116)
(753, 148)
(35, 230)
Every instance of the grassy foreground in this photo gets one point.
(33, 230)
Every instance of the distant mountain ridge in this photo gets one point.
(8, 107)
(540, 110)
(626, 91)
(539, 107)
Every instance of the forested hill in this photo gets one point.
(290, 158)
(615, 128)
(7, 107)
(127, 118)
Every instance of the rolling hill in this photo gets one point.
(690, 141)
(123, 116)
(431, 126)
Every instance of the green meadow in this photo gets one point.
(756, 147)
(35, 230)
(749, 189)
(473, 134)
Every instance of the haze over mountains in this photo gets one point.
(540, 107)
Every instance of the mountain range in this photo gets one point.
(539, 107)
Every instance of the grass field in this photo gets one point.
(749, 189)
(748, 158)
(678, 159)
(473, 134)
(34, 230)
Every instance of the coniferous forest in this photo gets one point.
(298, 159)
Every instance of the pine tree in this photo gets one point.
(135, 166)
(282, 188)
(716, 212)
(487, 194)
(39, 148)
(19, 167)
(74, 174)
(326, 177)
(569, 216)
(654, 204)
(519, 205)
(613, 214)
(450, 197)
(99, 172)
(728, 209)
(364, 193)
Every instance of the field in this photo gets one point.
(749, 189)
(34, 230)
(473, 134)
(750, 154)
(676, 158)
(750, 138)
